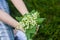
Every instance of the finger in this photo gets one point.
(22, 29)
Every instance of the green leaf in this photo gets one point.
(40, 20)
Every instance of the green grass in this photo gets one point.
(49, 9)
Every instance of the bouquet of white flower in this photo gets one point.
(29, 22)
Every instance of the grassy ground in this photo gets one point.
(49, 9)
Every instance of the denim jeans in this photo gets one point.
(20, 35)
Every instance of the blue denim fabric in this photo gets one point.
(8, 30)
(20, 35)
(4, 6)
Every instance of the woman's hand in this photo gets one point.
(19, 27)
(16, 30)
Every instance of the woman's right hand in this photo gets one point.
(19, 27)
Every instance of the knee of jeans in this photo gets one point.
(21, 35)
